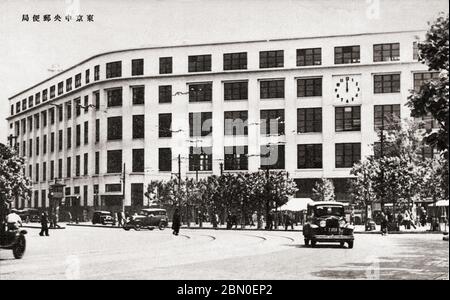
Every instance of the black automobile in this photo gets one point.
(29, 215)
(326, 223)
(14, 240)
(148, 218)
(103, 217)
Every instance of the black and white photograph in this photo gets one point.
(224, 141)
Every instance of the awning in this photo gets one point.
(441, 203)
(296, 204)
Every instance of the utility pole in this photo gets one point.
(123, 189)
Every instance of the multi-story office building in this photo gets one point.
(311, 106)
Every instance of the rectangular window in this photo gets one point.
(37, 173)
(114, 69)
(138, 93)
(97, 100)
(137, 194)
(30, 123)
(138, 160)
(30, 102)
(347, 154)
(137, 67)
(386, 115)
(165, 65)
(78, 135)
(60, 88)
(200, 92)
(44, 171)
(69, 138)
(24, 104)
(309, 57)
(24, 148)
(200, 159)
(44, 95)
(165, 159)
(30, 148)
(165, 93)
(272, 156)
(309, 156)
(421, 78)
(272, 122)
(44, 118)
(86, 76)
(309, 87)
(77, 103)
(309, 120)
(97, 130)
(60, 112)
(77, 166)
(200, 124)
(138, 127)
(68, 110)
(114, 97)
(348, 118)
(199, 63)
(271, 89)
(12, 110)
(97, 163)
(114, 161)
(37, 98)
(18, 107)
(236, 123)
(60, 140)
(85, 164)
(114, 187)
(236, 158)
(44, 144)
(52, 115)
(60, 168)
(78, 80)
(52, 92)
(52, 169)
(85, 195)
(69, 167)
(389, 83)
(96, 73)
(235, 61)
(237, 90)
(52, 142)
(37, 121)
(86, 103)
(86, 132)
(37, 146)
(386, 52)
(346, 55)
(271, 59)
(114, 128)
(165, 125)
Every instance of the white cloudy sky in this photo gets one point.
(28, 50)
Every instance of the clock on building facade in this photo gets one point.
(347, 89)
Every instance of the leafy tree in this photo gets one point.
(13, 183)
(362, 185)
(433, 96)
(323, 190)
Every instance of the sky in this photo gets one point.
(30, 50)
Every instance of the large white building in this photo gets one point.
(310, 106)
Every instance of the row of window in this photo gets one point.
(231, 61)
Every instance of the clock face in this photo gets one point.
(347, 89)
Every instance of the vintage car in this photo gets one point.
(326, 223)
(14, 240)
(148, 218)
(29, 215)
(103, 217)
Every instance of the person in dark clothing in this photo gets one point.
(44, 224)
(269, 225)
(288, 222)
(176, 222)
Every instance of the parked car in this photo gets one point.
(326, 223)
(103, 217)
(29, 215)
(148, 218)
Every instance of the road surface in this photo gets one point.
(100, 253)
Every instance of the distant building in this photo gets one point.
(310, 106)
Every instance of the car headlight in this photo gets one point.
(323, 223)
(342, 223)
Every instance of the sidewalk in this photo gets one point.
(359, 229)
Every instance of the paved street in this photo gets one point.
(100, 253)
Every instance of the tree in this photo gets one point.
(362, 185)
(13, 182)
(323, 190)
(433, 97)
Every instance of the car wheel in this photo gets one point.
(350, 244)
(162, 226)
(306, 242)
(126, 228)
(137, 227)
(19, 247)
(313, 243)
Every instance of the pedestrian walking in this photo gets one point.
(288, 222)
(254, 219)
(269, 225)
(384, 223)
(44, 224)
(69, 217)
(55, 220)
(176, 222)
(119, 219)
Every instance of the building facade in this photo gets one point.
(109, 125)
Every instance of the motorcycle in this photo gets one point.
(14, 240)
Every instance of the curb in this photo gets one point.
(250, 229)
(39, 227)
